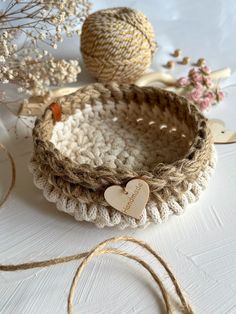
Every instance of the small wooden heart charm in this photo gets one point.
(130, 200)
(220, 134)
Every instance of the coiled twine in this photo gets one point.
(117, 44)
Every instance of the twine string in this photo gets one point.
(99, 250)
(143, 245)
(164, 292)
(13, 175)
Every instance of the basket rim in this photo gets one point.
(103, 215)
(170, 177)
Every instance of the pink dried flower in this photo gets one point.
(205, 70)
(196, 78)
(193, 71)
(183, 82)
(219, 95)
(204, 104)
(199, 88)
(211, 96)
(195, 94)
(207, 81)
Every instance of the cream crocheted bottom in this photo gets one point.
(85, 138)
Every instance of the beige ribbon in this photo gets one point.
(168, 80)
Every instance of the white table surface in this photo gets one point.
(200, 246)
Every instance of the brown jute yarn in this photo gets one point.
(117, 44)
(101, 249)
(112, 133)
(13, 175)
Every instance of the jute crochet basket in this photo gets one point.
(110, 134)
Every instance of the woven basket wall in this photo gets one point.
(112, 133)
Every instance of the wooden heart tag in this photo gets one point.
(130, 200)
(220, 134)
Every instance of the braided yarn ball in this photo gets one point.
(117, 44)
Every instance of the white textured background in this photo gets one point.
(200, 246)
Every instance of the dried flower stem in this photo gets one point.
(24, 26)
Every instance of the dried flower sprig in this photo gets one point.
(40, 21)
(37, 71)
(24, 26)
(200, 88)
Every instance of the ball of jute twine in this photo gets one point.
(101, 249)
(117, 44)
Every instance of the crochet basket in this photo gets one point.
(110, 134)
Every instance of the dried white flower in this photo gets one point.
(35, 73)
(33, 22)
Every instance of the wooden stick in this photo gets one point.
(169, 80)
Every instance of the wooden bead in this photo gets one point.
(177, 53)
(170, 64)
(201, 62)
(186, 60)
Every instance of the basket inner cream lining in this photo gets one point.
(121, 134)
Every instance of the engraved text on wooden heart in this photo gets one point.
(130, 200)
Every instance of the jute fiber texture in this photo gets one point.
(101, 249)
(12, 176)
(117, 44)
(112, 133)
